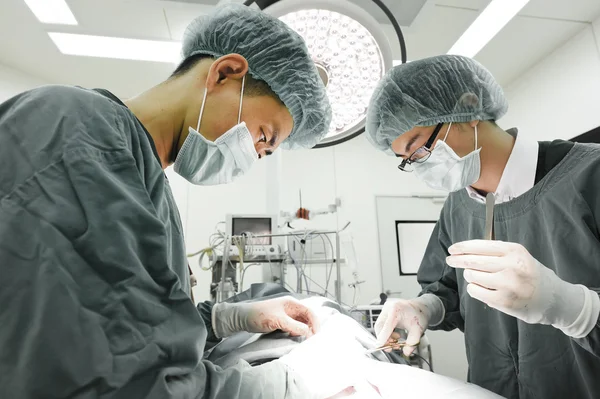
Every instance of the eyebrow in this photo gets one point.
(274, 137)
(410, 143)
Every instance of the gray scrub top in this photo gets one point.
(94, 284)
(558, 221)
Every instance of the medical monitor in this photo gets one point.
(252, 225)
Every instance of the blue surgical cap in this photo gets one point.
(442, 89)
(276, 55)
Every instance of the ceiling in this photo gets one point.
(541, 27)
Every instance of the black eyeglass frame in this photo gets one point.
(427, 147)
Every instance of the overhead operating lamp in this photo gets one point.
(350, 50)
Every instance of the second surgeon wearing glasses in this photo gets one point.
(527, 301)
(456, 161)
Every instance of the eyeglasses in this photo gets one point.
(421, 154)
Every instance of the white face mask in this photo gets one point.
(203, 162)
(445, 170)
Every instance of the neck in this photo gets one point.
(496, 147)
(162, 112)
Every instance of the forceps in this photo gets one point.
(394, 344)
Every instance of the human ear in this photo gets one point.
(227, 67)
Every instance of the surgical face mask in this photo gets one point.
(445, 170)
(206, 163)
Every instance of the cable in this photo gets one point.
(423, 359)
(298, 275)
(210, 252)
(326, 264)
(317, 284)
(332, 262)
(217, 225)
(243, 273)
(304, 260)
(300, 268)
(289, 286)
(215, 241)
(303, 264)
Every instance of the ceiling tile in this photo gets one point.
(121, 18)
(524, 42)
(179, 15)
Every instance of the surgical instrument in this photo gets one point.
(489, 216)
(394, 345)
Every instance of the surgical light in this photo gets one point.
(52, 11)
(487, 25)
(349, 57)
(350, 50)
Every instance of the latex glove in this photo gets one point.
(413, 315)
(329, 364)
(285, 313)
(506, 277)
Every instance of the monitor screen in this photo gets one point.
(255, 226)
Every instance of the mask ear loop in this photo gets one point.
(202, 109)
(447, 131)
(204, 102)
(476, 137)
(241, 98)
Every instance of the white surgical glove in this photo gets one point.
(413, 315)
(506, 277)
(285, 313)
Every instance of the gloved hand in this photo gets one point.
(285, 313)
(506, 277)
(413, 315)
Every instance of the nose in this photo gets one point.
(263, 150)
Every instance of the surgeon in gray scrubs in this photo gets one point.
(527, 301)
(94, 283)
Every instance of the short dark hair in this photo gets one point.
(253, 87)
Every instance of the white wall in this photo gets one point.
(560, 96)
(13, 82)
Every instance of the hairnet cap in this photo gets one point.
(275, 54)
(442, 89)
